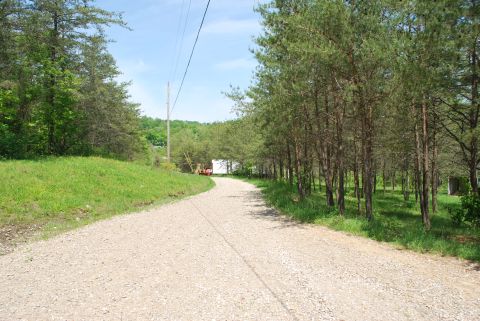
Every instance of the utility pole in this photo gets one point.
(168, 122)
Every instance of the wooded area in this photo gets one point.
(58, 93)
(200, 143)
(383, 94)
(368, 90)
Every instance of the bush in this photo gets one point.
(169, 167)
(471, 207)
(469, 212)
(456, 215)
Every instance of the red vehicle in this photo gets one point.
(206, 172)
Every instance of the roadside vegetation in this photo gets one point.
(366, 96)
(354, 96)
(396, 221)
(58, 194)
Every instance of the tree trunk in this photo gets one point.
(434, 178)
(474, 115)
(290, 165)
(274, 169)
(394, 180)
(307, 159)
(368, 160)
(340, 161)
(328, 178)
(473, 173)
(426, 172)
(383, 177)
(298, 171)
(362, 190)
(405, 180)
(312, 175)
(417, 161)
(356, 178)
(327, 164)
(319, 174)
(50, 118)
(281, 172)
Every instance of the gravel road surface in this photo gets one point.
(224, 255)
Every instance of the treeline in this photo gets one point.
(155, 129)
(195, 143)
(368, 90)
(58, 93)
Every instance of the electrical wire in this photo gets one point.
(191, 55)
(175, 48)
(181, 42)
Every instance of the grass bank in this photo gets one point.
(59, 194)
(396, 221)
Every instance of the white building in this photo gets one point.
(224, 167)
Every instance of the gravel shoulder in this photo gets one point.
(224, 255)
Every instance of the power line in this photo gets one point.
(181, 41)
(191, 55)
(175, 49)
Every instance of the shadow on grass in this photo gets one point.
(255, 200)
(395, 220)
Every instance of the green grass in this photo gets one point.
(58, 194)
(395, 220)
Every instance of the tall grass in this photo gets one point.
(395, 220)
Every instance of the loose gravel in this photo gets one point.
(224, 255)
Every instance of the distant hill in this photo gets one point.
(155, 130)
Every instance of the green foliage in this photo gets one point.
(58, 95)
(367, 87)
(464, 186)
(468, 213)
(62, 193)
(171, 167)
(155, 130)
(201, 143)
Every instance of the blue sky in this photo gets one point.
(146, 55)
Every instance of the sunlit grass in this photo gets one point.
(395, 220)
(58, 194)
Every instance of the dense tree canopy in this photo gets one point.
(58, 93)
(369, 90)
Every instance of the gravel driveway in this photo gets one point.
(223, 255)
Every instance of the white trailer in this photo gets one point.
(224, 167)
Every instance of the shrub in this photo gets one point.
(169, 167)
(456, 215)
(471, 207)
(468, 213)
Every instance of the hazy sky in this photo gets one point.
(147, 55)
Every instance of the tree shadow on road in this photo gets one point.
(261, 211)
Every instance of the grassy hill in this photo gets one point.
(57, 194)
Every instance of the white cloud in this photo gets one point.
(236, 64)
(231, 26)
